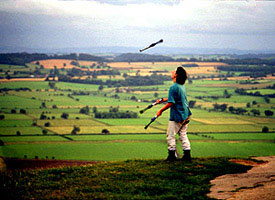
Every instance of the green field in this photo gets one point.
(145, 146)
(212, 132)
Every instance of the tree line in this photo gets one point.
(23, 58)
(254, 71)
(242, 91)
(114, 112)
(129, 81)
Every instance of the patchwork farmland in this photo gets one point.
(44, 116)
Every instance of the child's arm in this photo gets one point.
(168, 105)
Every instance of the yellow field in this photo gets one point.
(158, 65)
(22, 79)
(49, 64)
(216, 121)
(98, 129)
(86, 63)
(236, 85)
(68, 123)
(144, 68)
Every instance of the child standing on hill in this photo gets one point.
(179, 115)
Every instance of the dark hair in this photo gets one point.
(182, 75)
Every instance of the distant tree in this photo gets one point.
(43, 116)
(267, 100)
(240, 111)
(248, 105)
(133, 98)
(2, 143)
(116, 96)
(22, 111)
(265, 129)
(43, 104)
(105, 132)
(75, 130)
(231, 109)
(56, 71)
(54, 106)
(65, 115)
(34, 122)
(223, 107)
(192, 104)
(51, 84)
(18, 133)
(226, 94)
(75, 63)
(94, 109)
(47, 124)
(268, 113)
(124, 75)
(2, 117)
(255, 112)
(156, 95)
(44, 132)
(101, 87)
(84, 110)
(254, 102)
(13, 111)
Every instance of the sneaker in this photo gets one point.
(186, 156)
(171, 156)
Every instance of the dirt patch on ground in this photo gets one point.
(257, 183)
(27, 164)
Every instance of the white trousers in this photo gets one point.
(173, 129)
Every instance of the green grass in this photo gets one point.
(139, 137)
(11, 67)
(76, 86)
(131, 179)
(244, 136)
(16, 123)
(23, 130)
(121, 122)
(90, 147)
(33, 85)
(16, 116)
(47, 138)
(263, 91)
(127, 149)
(11, 101)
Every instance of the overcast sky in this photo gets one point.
(246, 25)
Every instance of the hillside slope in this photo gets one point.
(130, 179)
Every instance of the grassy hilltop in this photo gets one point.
(131, 179)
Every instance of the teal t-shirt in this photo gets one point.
(180, 109)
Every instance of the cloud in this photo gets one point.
(131, 22)
(127, 2)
